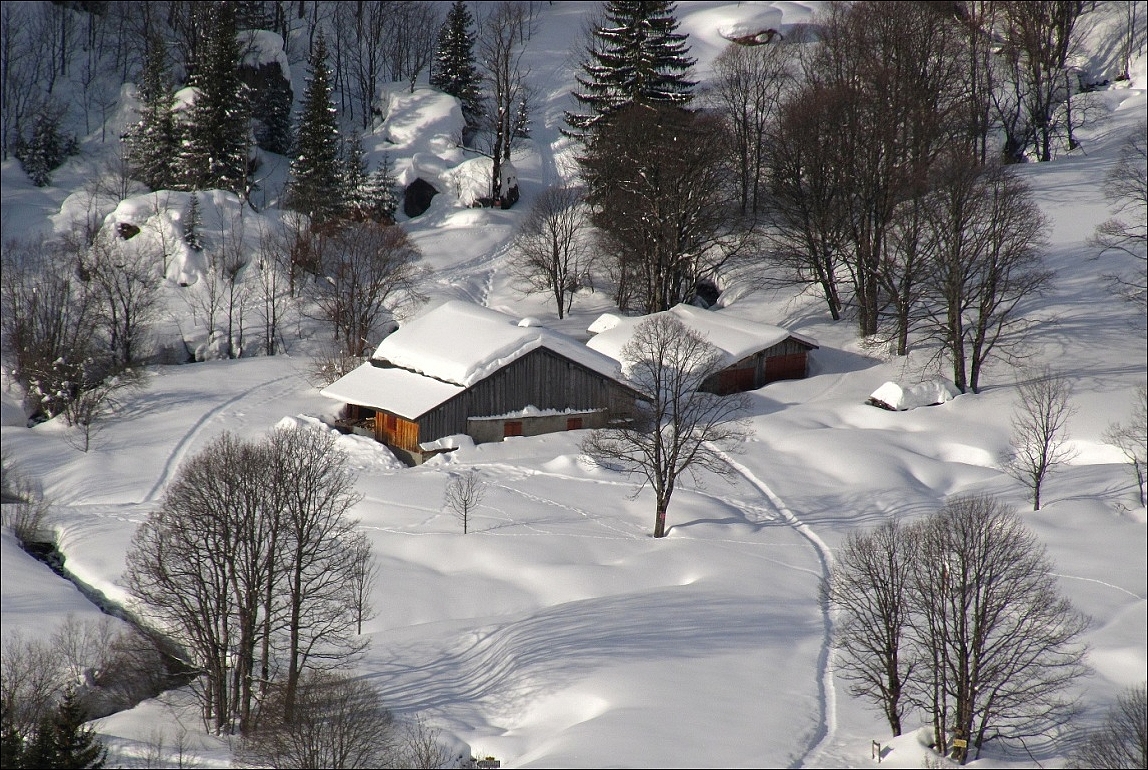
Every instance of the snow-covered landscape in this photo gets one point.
(557, 632)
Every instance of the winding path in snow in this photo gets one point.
(180, 450)
(827, 692)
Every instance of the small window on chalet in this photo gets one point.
(573, 423)
(512, 428)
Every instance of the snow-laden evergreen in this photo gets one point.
(637, 57)
(316, 187)
(455, 71)
(151, 144)
(214, 153)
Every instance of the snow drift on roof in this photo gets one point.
(398, 391)
(462, 343)
(735, 337)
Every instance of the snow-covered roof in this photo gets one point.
(736, 337)
(462, 343)
(398, 391)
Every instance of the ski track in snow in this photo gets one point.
(460, 278)
(183, 446)
(827, 695)
(1101, 582)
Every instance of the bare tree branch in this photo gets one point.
(680, 427)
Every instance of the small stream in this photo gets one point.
(166, 665)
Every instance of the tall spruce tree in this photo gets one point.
(192, 224)
(152, 143)
(272, 104)
(455, 72)
(11, 741)
(62, 741)
(637, 57)
(316, 186)
(214, 152)
(356, 179)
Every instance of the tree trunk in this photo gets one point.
(660, 519)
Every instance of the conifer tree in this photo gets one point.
(191, 234)
(151, 143)
(11, 741)
(355, 178)
(46, 148)
(455, 72)
(382, 192)
(62, 741)
(316, 185)
(272, 104)
(637, 57)
(214, 153)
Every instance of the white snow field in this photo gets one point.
(558, 632)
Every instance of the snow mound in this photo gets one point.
(896, 398)
(262, 46)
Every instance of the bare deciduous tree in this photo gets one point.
(246, 564)
(126, 282)
(1121, 742)
(339, 722)
(959, 615)
(273, 298)
(30, 679)
(869, 587)
(679, 427)
(503, 31)
(807, 229)
(314, 493)
(1039, 437)
(50, 326)
(464, 493)
(891, 126)
(997, 642)
(89, 410)
(1132, 439)
(24, 509)
(1042, 34)
(748, 88)
(363, 574)
(983, 233)
(551, 252)
(420, 746)
(369, 273)
(1126, 188)
(666, 213)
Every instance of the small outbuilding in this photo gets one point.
(898, 398)
(465, 369)
(757, 353)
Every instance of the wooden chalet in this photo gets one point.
(465, 369)
(757, 353)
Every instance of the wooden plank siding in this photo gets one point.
(540, 378)
(787, 360)
(396, 431)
